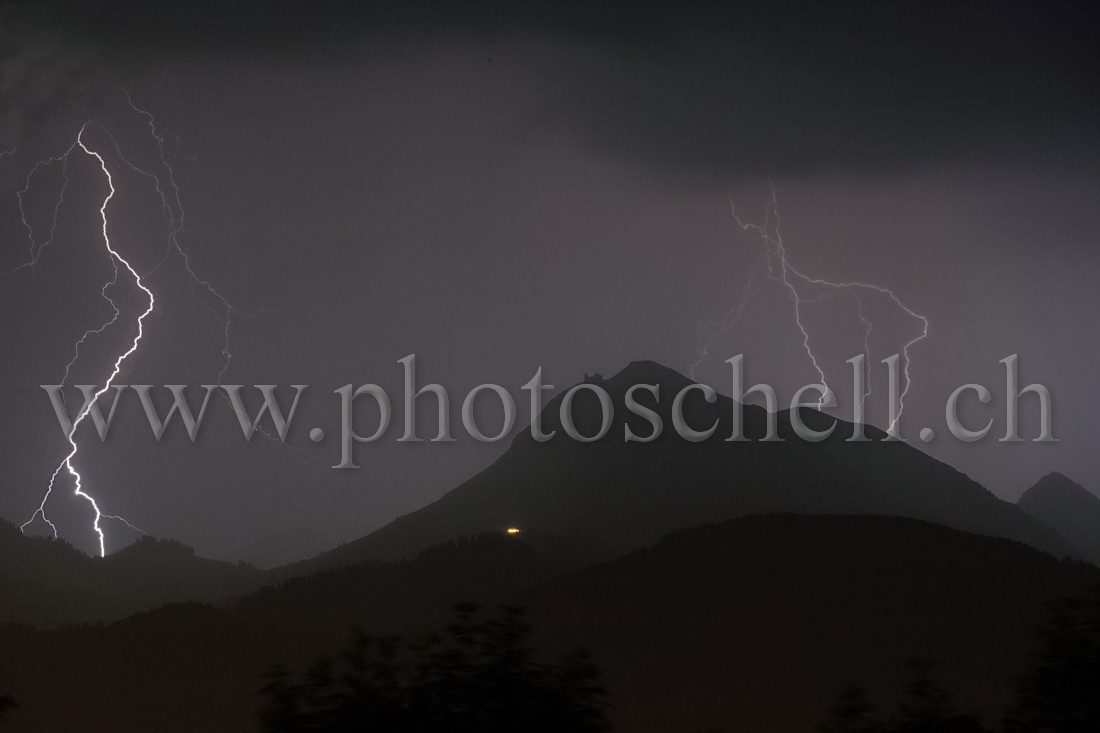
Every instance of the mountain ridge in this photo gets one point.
(629, 494)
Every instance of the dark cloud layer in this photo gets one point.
(701, 88)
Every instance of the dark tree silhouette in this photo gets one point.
(6, 704)
(477, 674)
(926, 709)
(929, 709)
(852, 714)
(1060, 693)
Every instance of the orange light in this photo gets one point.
(513, 530)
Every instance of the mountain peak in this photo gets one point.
(1056, 486)
(647, 372)
(628, 493)
(1071, 509)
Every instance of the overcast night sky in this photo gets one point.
(498, 188)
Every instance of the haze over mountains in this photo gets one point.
(285, 546)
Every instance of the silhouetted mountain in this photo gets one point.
(47, 582)
(1072, 510)
(750, 625)
(629, 494)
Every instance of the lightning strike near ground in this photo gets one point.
(67, 463)
(806, 290)
(173, 213)
(164, 181)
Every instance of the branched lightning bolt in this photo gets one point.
(219, 307)
(35, 253)
(172, 209)
(67, 462)
(781, 270)
(174, 214)
(732, 317)
(37, 247)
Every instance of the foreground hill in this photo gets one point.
(1069, 508)
(629, 494)
(756, 624)
(147, 672)
(47, 582)
(395, 596)
(749, 625)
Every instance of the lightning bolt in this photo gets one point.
(732, 317)
(202, 291)
(174, 214)
(172, 208)
(794, 281)
(37, 247)
(117, 259)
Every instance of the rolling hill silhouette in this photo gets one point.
(1071, 509)
(753, 624)
(48, 582)
(132, 671)
(629, 494)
